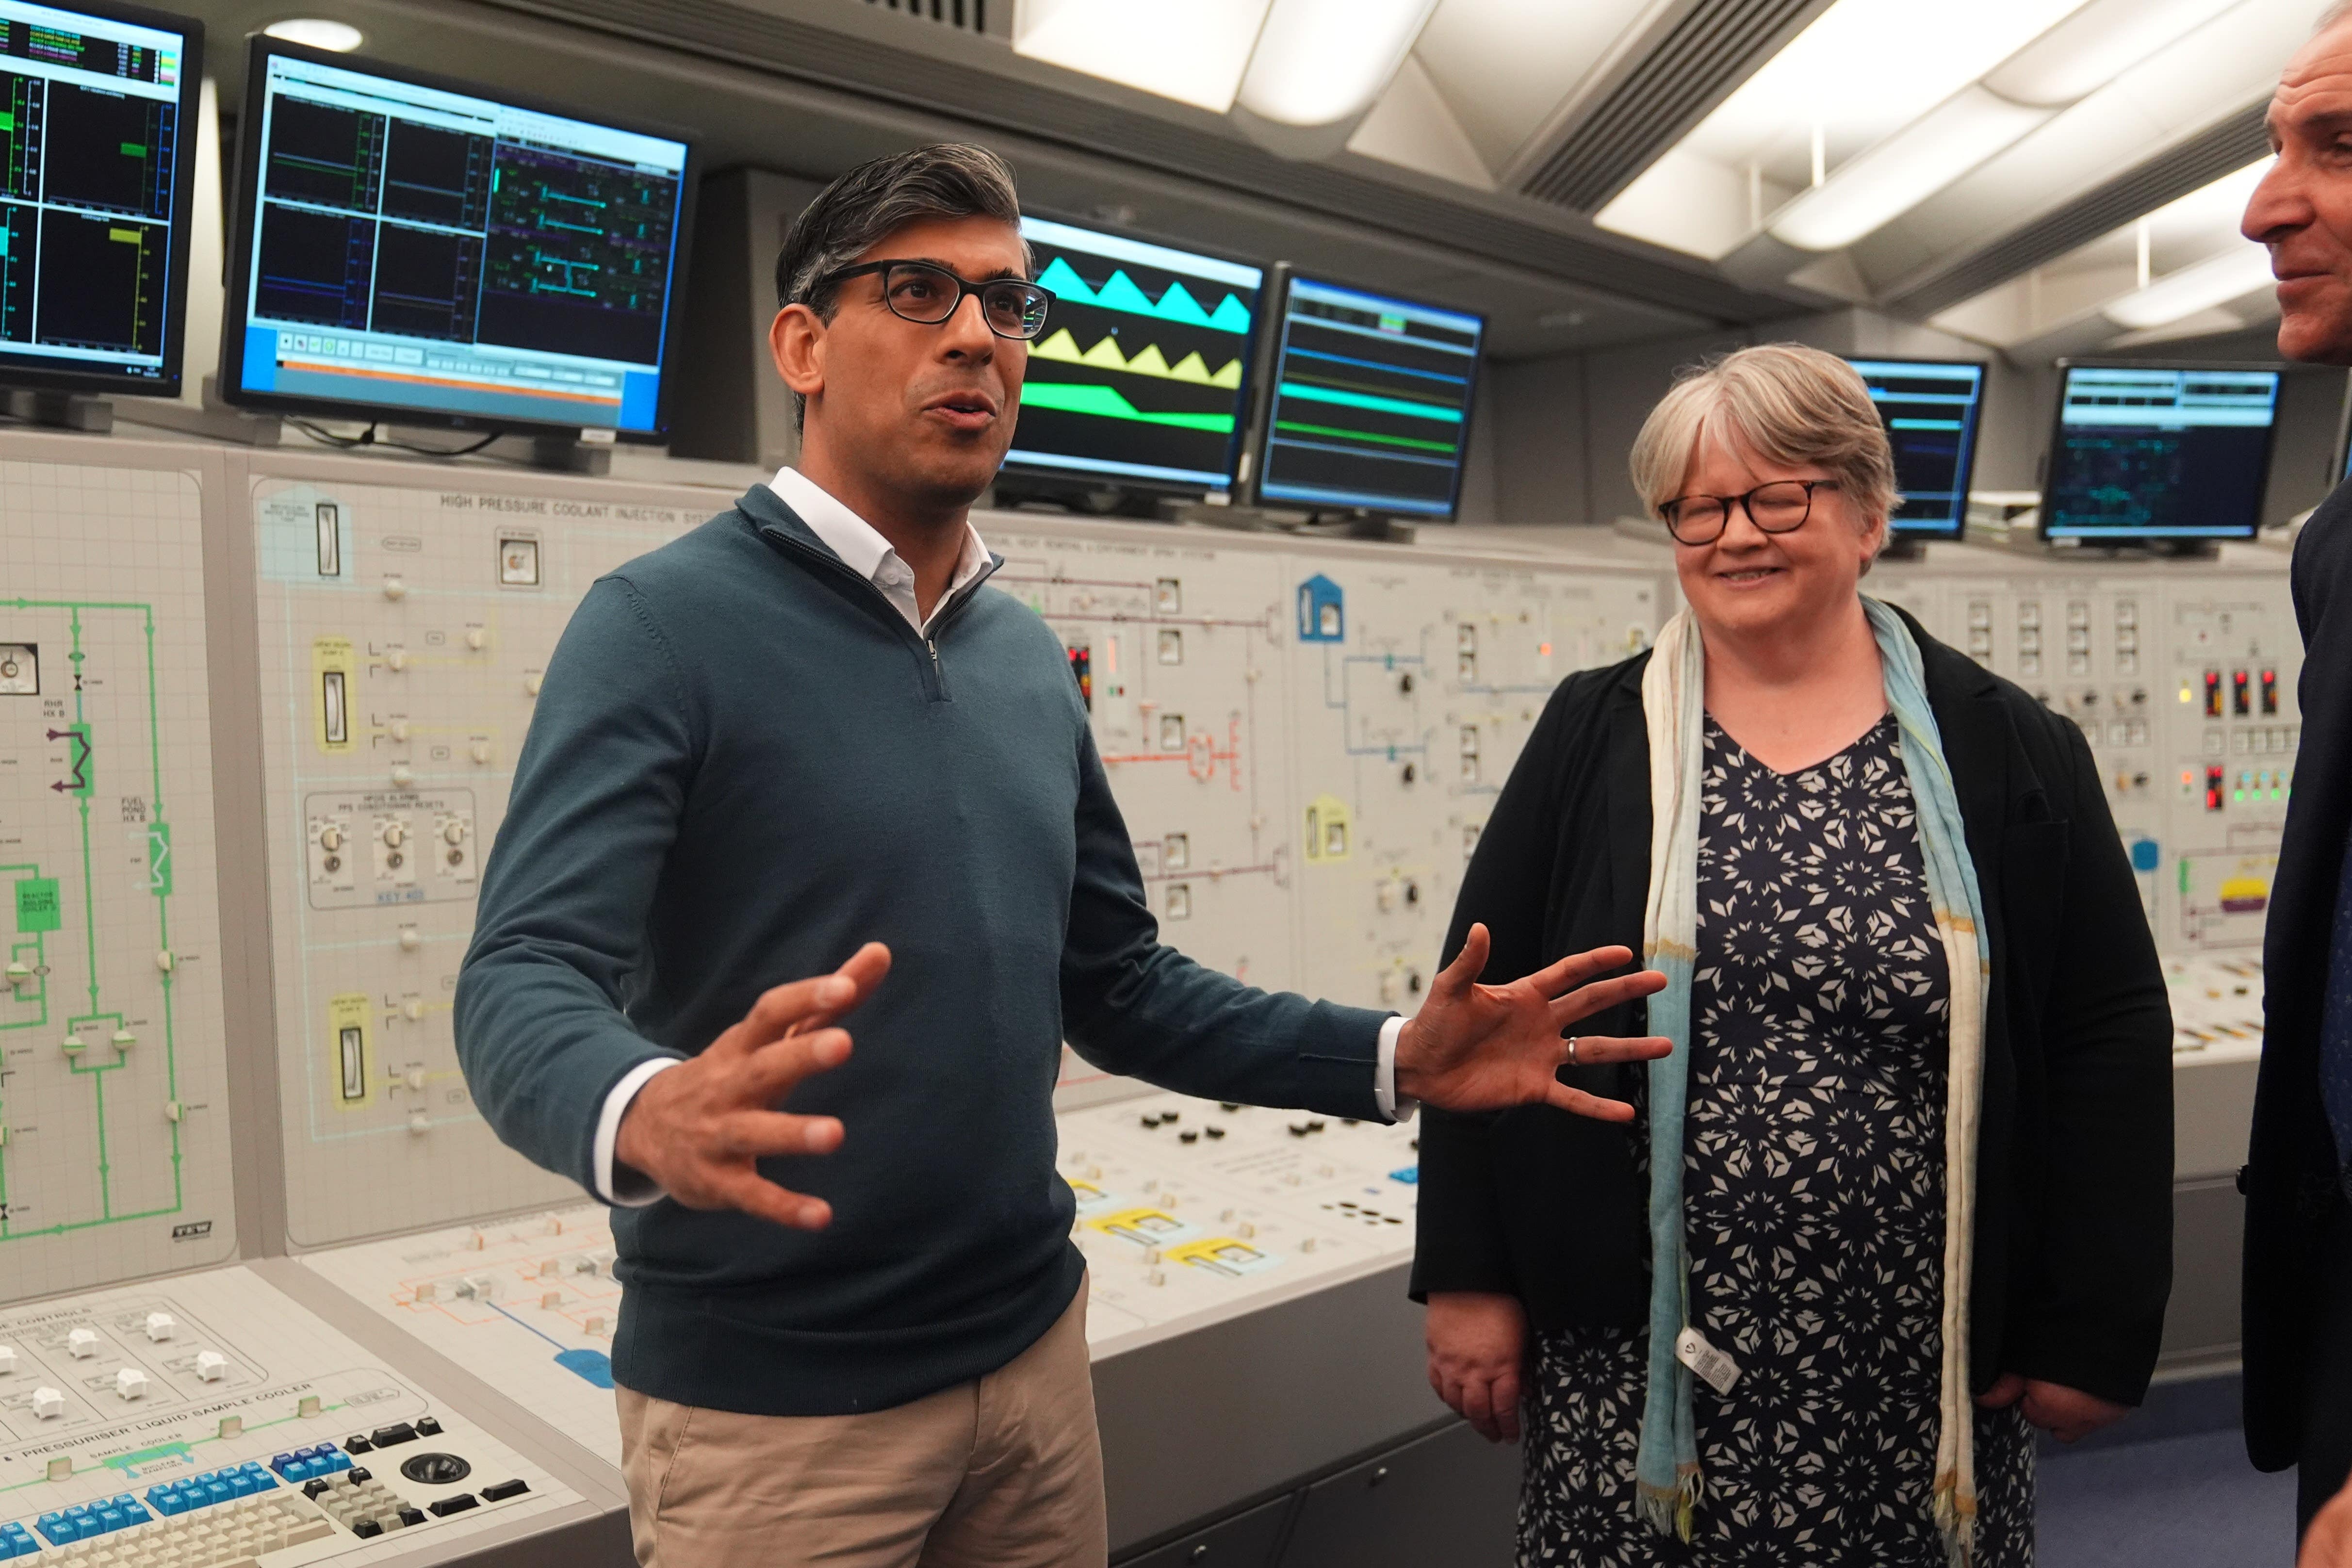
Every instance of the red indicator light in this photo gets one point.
(2213, 694)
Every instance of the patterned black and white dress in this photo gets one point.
(1814, 1197)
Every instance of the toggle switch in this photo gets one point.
(398, 729)
(413, 1009)
(395, 658)
(476, 638)
(480, 751)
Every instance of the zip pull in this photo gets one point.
(935, 651)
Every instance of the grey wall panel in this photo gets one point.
(1450, 1497)
(1242, 1409)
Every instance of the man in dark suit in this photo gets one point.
(2298, 1278)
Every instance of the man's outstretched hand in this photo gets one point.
(1487, 1048)
(700, 1128)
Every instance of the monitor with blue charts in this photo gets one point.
(1368, 405)
(1931, 409)
(414, 249)
(2157, 453)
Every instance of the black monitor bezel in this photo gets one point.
(117, 384)
(1959, 525)
(260, 48)
(1028, 476)
(1262, 409)
(2066, 368)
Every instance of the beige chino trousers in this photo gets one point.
(1004, 1472)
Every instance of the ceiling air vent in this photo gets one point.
(1692, 67)
(967, 15)
(2219, 149)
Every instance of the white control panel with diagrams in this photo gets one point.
(403, 630)
(114, 1130)
(1306, 739)
(527, 1304)
(209, 1420)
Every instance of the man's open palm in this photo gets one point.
(1488, 1047)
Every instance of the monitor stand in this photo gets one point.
(215, 419)
(58, 410)
(570, 455)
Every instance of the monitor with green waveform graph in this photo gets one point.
(1138, 380)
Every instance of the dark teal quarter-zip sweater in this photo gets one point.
(744, 764)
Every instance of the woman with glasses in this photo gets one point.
(1902, 1192)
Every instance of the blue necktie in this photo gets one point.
(2335, 1026)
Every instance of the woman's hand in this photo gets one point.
(2068, 1415)
(2329, 1542)
(1477, 1343)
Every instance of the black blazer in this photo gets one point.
(2291, 1178)
(2074, 1244)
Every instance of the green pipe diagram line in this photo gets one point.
(158, 884)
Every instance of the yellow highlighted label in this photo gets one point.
(350, 1061)
(334, 686)
(1327, 828)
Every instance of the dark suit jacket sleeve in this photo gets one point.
(2094, 1310)
(1461, 1239)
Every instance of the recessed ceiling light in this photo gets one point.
(317, 33)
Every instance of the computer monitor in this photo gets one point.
(2153, 453)
(1137, 383)
(416, 249)
(1930, 408)
(98, 107)
(1366, 405)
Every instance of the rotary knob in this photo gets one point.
(402, 775)
(395, 834)
(395, 589)
(330, 839)
(454, 832)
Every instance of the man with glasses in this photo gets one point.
(808, 738)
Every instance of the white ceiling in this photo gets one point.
(1711, 119)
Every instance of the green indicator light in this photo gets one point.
(2237, 794)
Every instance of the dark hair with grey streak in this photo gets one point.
(849, 217)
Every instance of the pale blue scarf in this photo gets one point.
(1670, 1486)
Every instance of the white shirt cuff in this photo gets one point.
(1396, 1107)
(617, 1184)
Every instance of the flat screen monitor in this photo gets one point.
(1137, 383)
(415, 249)
(2154, 452)
(97, 111)
(1930, 409)
(1367, 407)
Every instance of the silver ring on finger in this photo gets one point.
(1571, 1050)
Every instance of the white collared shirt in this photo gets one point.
(863, 550)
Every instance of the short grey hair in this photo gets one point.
(849, 217)
(1784, 402)
(2329, 17)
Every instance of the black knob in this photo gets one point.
(1380, 1475)
(435, 1470)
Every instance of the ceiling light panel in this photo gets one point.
(1194, 51)
(1863, 70)
(2216, 281)
(2094, 46)
(1318, 62)
(1900, 172)
(317, 33)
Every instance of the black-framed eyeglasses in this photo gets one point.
(1780, 507)
(928, 294)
